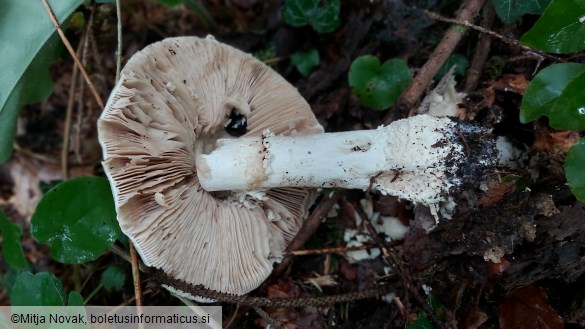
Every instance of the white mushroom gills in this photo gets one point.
(416, 159)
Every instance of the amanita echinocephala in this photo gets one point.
(213, 159)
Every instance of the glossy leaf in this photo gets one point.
(560, 29)
(41, 289)
(509, 11)
(305, 61)
(78, 219)
(323, 19)
(568, 112)
(545, 89)
(11, 248)
(113, 278)
(28, 79)
(575, 169)
(378, 86)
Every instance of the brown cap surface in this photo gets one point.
(172, 101)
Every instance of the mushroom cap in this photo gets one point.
(172, 102)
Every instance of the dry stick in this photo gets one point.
(135, 274)
(481, 51)
(308, 229)
(119, 49)
(335, 250)
(97, 97)
(468, 10)
(503, 38)
(68, 115)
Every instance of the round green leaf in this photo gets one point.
(305, 61)
(113, 278)
(378, 86)
(75, 299)
(560, 29)
(42, 289)
(568, 112)
(78, 219)
(545, 89)
(575, 169)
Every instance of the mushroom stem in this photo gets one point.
(419, 159)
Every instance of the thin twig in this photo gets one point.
(308, 229)
(411, 96)
(119, 49)
(135, 274)
(335, 250)
(503, 38)
(97, 97)
(482, 50)
(67, 126)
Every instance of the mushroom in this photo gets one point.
(210, 154)
(420, 159)
(175, 99)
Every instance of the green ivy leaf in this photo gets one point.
(305, 61)
(78, 219)
(560, 28)
(75, 299)
(42, 289)
(509, 11)
(323, 19)
(461, 63)
(113, 278)
(575, 169)
(27, 80)
(568, 112)
(378, 86)
(544, 91)
(11, 247)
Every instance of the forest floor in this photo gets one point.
(513, 254)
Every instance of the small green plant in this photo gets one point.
(557, 91)
(41, 289)
(378, 86)
(73, 211)
(305, 61)
(323, 19)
